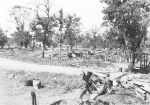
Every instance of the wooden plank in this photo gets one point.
(142, 85)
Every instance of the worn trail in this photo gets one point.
(18, 65)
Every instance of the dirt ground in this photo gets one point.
(58, 89)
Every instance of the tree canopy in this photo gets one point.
(129, 20)
(44, 25)
(21, 16)
(72, 25)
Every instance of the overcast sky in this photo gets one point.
(88, 10)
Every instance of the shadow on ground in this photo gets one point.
(57, 102)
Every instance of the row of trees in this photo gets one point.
(126, 21)
(52, 28)
(48, 28)
(59, 27)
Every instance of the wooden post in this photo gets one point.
(33, 95)
(59, 51)
(141, 62)
(146, 62)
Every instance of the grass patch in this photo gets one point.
(49, 80)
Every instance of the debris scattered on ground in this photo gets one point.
(96, 85)
(65, 89)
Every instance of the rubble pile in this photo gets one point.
(96, 84)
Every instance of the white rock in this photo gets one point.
(16, 77)
(11, 76)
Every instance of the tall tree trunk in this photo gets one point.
(33, 45)
(43, 49)
(26, 43)
(130, 64)
(8, 44)
(131, 61)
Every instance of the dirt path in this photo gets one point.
(18, 65)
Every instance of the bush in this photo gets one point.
(3, 41)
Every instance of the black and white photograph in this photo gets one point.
(75, 52)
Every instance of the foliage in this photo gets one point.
(80, 38)
(93, 39)
(60, 34)
(44, 25)
(72, 25)
(3, 38)
(20, 16)
(112, 40)
(22, 38)
(129, 19)
(86, 43)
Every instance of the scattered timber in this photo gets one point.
(98, 83)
